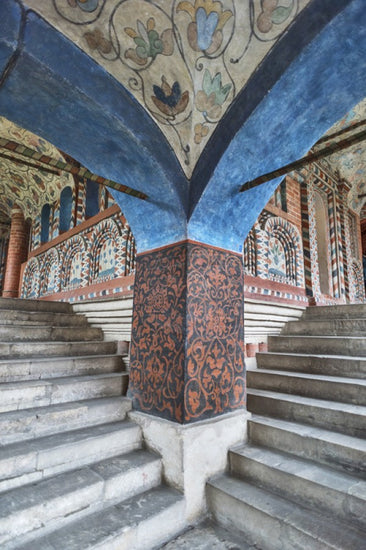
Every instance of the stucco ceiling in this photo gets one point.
(185, 61)
(22, 184)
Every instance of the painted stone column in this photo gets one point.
(187, 346)
(17, 253)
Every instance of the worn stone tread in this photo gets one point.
(330, 345)
(20, 462)
(46, 332)
(333, 448)
(337, 365)
(342, 417)
(14, 350)
(35, 305)
(124, 525)
(302, 480)
(56, 501)
(44, 392)
(41, 421)
(290, 522)
(35, 318)
(14, 370)
(319, 386)
(326, 404)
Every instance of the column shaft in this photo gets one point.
(187, 347)
(17, 253)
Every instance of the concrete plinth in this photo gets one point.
(193, 453)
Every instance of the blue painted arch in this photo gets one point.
(326, 80)
(52, 88)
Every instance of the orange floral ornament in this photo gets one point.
(200, 132)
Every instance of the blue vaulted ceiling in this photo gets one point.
(309, 79)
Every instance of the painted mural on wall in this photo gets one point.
(184, 60)
(22, 184)
(349, 163)
(100, 254)
(273, 251)
(215, 333)
(157, 358)
(325, 186)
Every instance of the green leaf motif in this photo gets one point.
(206, 83)
(156, 45)
(214, 86)
(280, 14)
(222, 94)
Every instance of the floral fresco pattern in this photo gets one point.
(187, 346)
(215, 380)
(158, 333)
(349, 163)
(28, 187)
(185, 61)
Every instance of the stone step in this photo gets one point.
(35, 305)
(345, 311)
(340, 451)
(339, 417)
(56, 367)
(275, 523)
(29, 461)
(333, 327)
(40, 393)
(18, 317)
(41, 421)
(334, 388)
(38, 508)
(316, 486)
(330, 345)
(142, 522)
(28, 333)
(333, 365)
(16, 350)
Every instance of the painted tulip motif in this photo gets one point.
(272, 14)
(210, 99)
(148, 42)
(169, 99)
(208, 19)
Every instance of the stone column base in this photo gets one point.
(192, 453)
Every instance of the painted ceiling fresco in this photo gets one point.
(29, 187)
(185, 61)
(350, 163)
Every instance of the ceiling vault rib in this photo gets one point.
(79, 172)
(304, 161)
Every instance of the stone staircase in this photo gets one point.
(299, 483)
(73, 471)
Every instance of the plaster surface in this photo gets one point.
(192, 454)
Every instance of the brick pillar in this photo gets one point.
(187, 346)
(17, 253)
